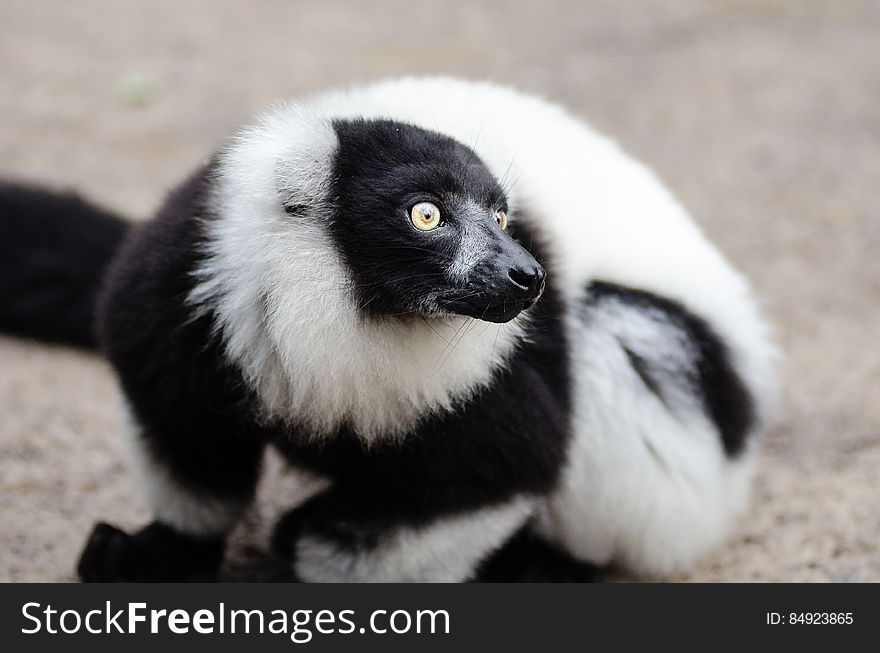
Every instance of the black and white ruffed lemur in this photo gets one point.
(506, 348)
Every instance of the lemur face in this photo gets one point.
(422, 225)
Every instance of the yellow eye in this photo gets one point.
(425, 216)
(501, 219)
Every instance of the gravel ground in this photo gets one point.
(762, 116)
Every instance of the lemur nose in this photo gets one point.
(529, 279)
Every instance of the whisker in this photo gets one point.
(495, 342)
(364, 305)
(437, 333)
(510, 165)
(472, 153)
(458, 331)
(463, 330)
(444, 255)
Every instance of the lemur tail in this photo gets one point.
(54, 249)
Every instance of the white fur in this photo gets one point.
(446, 551)
(287, 313)
(289, 321)
(648, 485)
(188, 512)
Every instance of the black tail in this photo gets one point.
(54, 248)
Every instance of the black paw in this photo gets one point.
(110, 555)
(155, 554)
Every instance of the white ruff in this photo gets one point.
(287, 313)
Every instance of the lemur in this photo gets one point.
(502, 343)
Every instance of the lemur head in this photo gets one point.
(422, 225)
(345, 258)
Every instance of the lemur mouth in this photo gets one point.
(498, 312)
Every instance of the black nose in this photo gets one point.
(529, 279)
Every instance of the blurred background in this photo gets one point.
(762, 116)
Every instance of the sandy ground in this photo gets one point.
(762, 116)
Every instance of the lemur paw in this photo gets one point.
(110, 555)
(155, 554)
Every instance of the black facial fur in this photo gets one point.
(383, 168)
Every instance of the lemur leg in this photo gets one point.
(198, 486)
(660, 464)
(334, 538)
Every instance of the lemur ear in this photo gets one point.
(299, 191)
(289, 200)
(304, 172)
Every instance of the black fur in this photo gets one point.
(381, 170)
(54, 249)
(725, 397)
(197, 418)
(197, 415)
(640, 365)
